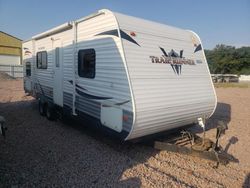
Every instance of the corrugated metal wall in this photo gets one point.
(10, 45)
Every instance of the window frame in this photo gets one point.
(42, 63)
(91, 72)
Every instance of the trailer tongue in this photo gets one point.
(189, 143)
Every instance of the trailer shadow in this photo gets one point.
(246, 183)
(136, 152)
(41, 152)
(38, 152)
(222, 113)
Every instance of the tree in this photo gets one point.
(225, 59)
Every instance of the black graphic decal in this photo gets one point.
(172, 53)
(164, 52)
(122, 103)
(83, 94)
(111, 32)
(80, 87)
(198, 48)
(123, 35)
(127, 37)
(40, 87)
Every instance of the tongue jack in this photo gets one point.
(202, 124)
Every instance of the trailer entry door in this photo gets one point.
(57, 72)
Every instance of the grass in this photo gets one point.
(229, 85)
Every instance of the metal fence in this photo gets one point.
(244, 78)
(15, 71)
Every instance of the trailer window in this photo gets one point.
(86, 63)
(28, 69)
(57, 57)
(42, 60)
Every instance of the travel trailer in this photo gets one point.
(132, 76)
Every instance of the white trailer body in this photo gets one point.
(133, 76)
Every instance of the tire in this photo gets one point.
(41, 108)
(50, 113)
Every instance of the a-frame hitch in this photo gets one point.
(191, 144)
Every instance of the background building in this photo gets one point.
(10, 49)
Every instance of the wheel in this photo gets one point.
(50, 113)
(41, 108)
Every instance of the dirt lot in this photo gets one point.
(40, 153)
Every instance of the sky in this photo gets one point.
(215, 21)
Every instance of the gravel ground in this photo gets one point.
(41, 153)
